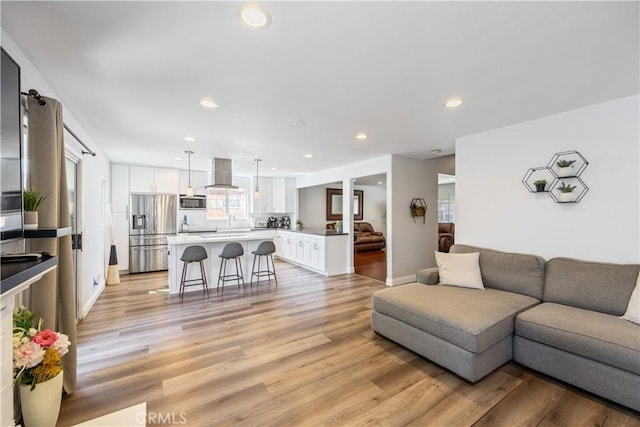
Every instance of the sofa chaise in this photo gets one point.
(560, 317)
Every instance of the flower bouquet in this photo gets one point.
(37, 353)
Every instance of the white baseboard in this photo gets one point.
(401, 280)
(92, 300)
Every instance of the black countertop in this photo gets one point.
(15, 273)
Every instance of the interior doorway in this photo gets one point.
(370, 233)
(446, 211)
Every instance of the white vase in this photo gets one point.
(30, 220)
(41, 406)
(567, 197)
(564, 172)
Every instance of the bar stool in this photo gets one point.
(191, 254)
(232, 250)
(265, 249)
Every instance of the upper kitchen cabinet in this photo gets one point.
(144, 179)
(284, 195)
(199, 180)
(277, 195)
(119, 188)
(264, 203)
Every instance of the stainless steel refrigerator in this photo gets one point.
(153, 218)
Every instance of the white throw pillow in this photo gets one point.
(461, 270)
(633, 308)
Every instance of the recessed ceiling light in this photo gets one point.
(362, 135)
(308, 156)
(299, 124)
(379, 182)
(453, 103)
(274, 169)
(436, 151)
(178, 158)
(189, 138)
(254, 16)
(208, 103)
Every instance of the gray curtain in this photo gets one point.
(53, 297)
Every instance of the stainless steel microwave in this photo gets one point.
(193, 202)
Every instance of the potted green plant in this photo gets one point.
(566, 193)
(540, 184)
(300, 224)
(417, 210)
(32, 201)
(565, 168)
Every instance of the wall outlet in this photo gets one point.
(98, 280)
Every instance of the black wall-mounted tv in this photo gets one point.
(10, 151)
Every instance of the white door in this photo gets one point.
(72, 167)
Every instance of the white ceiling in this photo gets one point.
(133, 73)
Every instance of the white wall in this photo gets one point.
(94, 256)
(494, 209)
(375, 206)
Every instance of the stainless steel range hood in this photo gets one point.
(222, 174)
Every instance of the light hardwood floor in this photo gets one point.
(301, 354)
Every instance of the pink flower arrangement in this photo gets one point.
(36, 353)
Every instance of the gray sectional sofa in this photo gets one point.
(559, 317)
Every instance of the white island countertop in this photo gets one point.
(221, 236)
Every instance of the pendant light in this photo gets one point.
(256, 191)
(189, 191)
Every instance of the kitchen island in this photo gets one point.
(213, 242)
(323, 251)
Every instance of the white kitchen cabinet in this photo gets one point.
(119, 188)
(264, 203)
(199, 179)
(284, 192)
(315, 253)
(121, 238)
(145, 179)
(120, 213)
(277, 241)
(323, 254)
(277, 195)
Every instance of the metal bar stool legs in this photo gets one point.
(265, 249)
(191, 254)
(230, 251)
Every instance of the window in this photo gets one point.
(222, 202)
(446, 208)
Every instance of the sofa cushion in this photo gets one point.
(428, 276)
(469, 318)
(364, 227)
(506, 271)
(633, 308)
(590, 285)
(459, 270)
(601, 337)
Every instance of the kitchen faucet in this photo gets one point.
(234, 219)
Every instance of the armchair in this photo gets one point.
(366, 238)
(446, 236)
